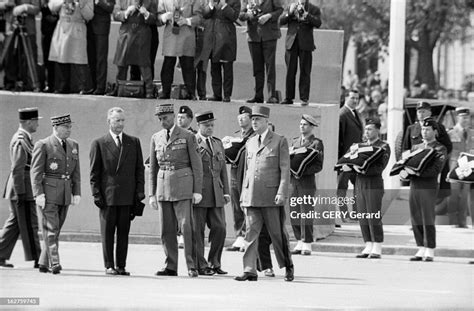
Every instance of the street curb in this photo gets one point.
(318, 247)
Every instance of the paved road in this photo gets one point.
(325, 280)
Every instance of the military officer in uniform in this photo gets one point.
(56, 181)
(370, 192)
(175, 184)
(236, 175)
(215, 194)
(23, 220)
(423, 190)
(462, 139)
(306, 185)
(264, 192)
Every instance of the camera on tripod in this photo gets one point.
(255, 10)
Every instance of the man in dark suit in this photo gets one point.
(117, 182)
(264, 192)
(215, 195)
(350, 132)
(98, 29)
(23, 220)
(301, 18)
(263, 32)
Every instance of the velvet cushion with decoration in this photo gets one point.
(361, 155)
(463, 171)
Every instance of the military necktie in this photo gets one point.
(167, 135)
(259, 140)
(208, 142)
(119, 143)
(63, 143)
(464, 134)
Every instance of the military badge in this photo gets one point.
(74, 151)
(53, 166)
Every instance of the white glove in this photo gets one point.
(346, 168)
(227, 198)
(166, 17)
(403, 174)
(40, 200)
(76, 199)
(197, 197)
(279, 199)
(357, 169)
(410, 171)
(153, 202)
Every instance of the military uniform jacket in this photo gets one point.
(175, 166)
(437, 164)
(316, 165)
(240, 167)
(460, 144)
(215, 183)
(413, 137)
(54, 172)
(19, 181)
(267, 171)
(378, 166)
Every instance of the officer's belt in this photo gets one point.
(58, 176)
(168, 166)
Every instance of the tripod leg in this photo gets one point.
(30, 61)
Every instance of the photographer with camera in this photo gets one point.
(180, 19)
(263, 32)
(19, 20)
(301, 17)
(220, 45)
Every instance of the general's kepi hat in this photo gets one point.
(204, 117)
(164, 109)
(260, 111)
(60, 120)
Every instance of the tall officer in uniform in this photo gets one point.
(370, 190)
(423, 190)
(301, 17)
(56, 181)
(23, 219)
(118, 184)
(236, 176)
(306, 184)
(215, 195)
(175, 184)
(462, 138)
(264, 192)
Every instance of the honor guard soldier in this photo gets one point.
(215, 195)
(23, 220)
(302, 180)
(423, 190)
(370, 192)
(175, 184)
(56, 181)
(463, 141)
(237, 164)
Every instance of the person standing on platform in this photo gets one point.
(49, 21)
(175, 185)
(117, 180)
(423, 190)
(263, 32)
(264, 192)
(23, 219)
(215, 195)
(56, 182)
(370, 190)
(301, 17)
(305, 184)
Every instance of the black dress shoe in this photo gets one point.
(150, 96)
(304, 103)
(287, 102)
(289, 274)
(36, 264)
(362, 256)
(429, 259)
(56, 269)
(296, 252)
(86, 92)
(375, 256)
(114, 92)
(416, 258)
(226, 99)
(219, 271)
(122, 271)
(43, 269)
(471, 262)
(215, 98)
(206, 271)
(255, 100)
(111, 271)
(272, 100)
(164, 96)
(5, 264)
(233, 249)
(269, 273)
(247, 276)
(202, 98)
(192, 273)
(167, 272)
(99, 92)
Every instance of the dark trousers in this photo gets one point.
(216, 75)
(67, 73)
(264, 255)
(422, 200)
(53, 217)
(369, 200)
(23, 221)
(187, 69)
(177, 214)
(146, 74)
(16, 60)
(115, 219)
(214, 217)
(201, 77)
(458, 203)
(303, 228)
(274, 220)
(155, 41)
(263, 61)
(343, 179)
(49, 65)
(305, 60)
(97, 51)
(239, 216)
